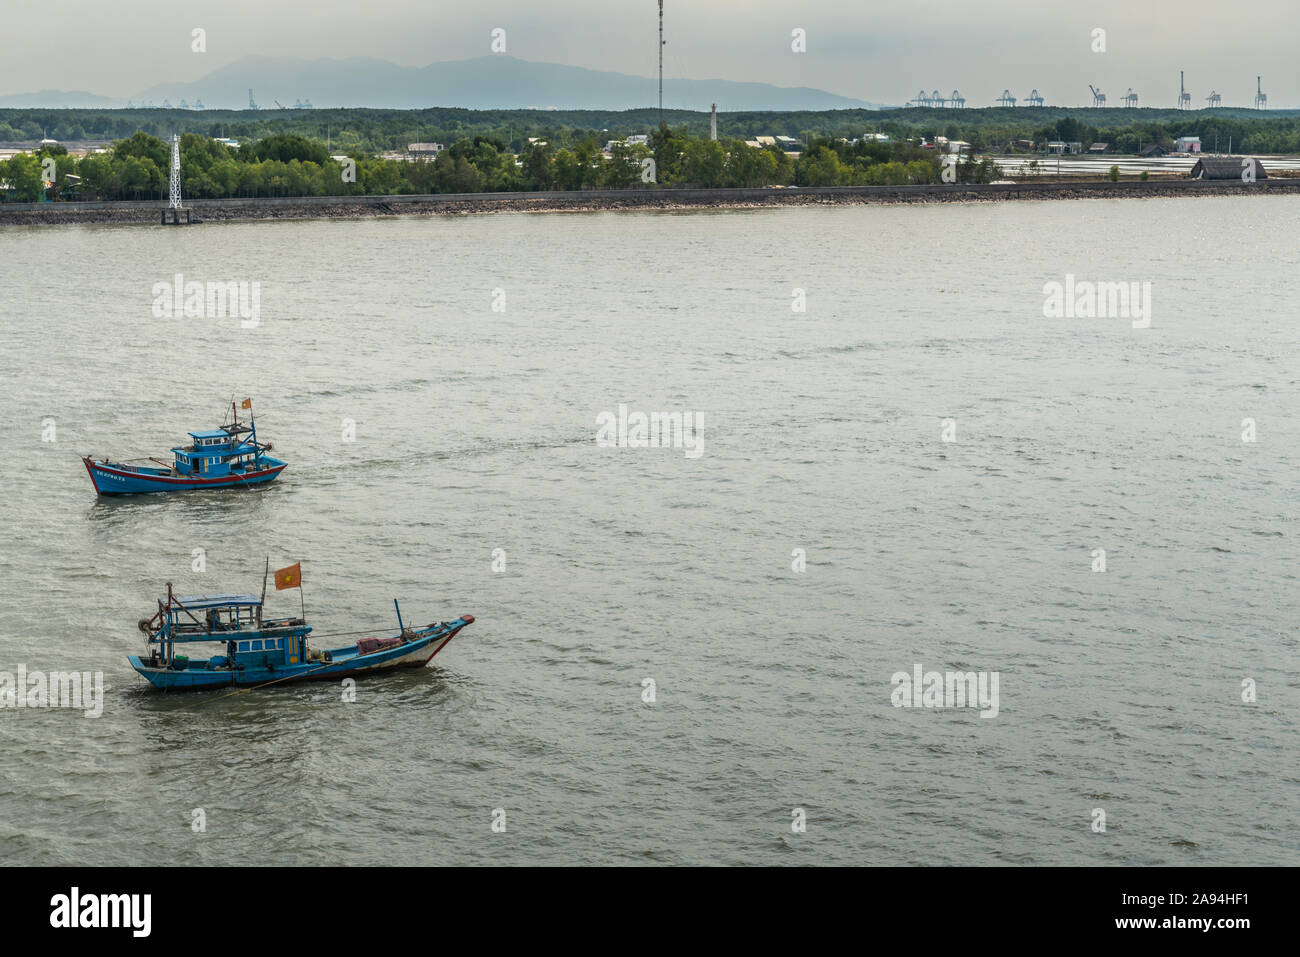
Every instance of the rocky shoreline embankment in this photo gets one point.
(364, 207)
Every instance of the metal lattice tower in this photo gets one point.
(661, 64)
(175, 177)
(1261, 98)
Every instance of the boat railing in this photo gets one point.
(223, 630)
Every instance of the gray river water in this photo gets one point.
(919, 469)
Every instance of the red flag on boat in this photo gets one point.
(246, 404)
(290, 577)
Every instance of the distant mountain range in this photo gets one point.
(481, 83)
(60, 99)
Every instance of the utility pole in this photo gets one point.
(661, 64)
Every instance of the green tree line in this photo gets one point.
(370, 131)
(285, 164)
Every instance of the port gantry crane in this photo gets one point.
(1214, 99)
(1261, 98)
(957, 100)
(1098, 97)
(922, 99)
(1130, 98)
(1006, 99)
(1033, 99)
(1184, 98)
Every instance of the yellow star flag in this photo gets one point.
(290, 577)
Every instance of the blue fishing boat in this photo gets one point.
(254, 650)
(225, 457)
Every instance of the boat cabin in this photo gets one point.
(219, 452)
(232, 621)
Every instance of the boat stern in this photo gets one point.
(165, 678)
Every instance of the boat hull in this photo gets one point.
(415, 652)
(115, 478)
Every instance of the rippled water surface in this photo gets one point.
(475, 431)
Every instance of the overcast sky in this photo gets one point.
(883, 52)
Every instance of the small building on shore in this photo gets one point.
(1187, 144)
(1227, 167)
(423, 152)
(639, 139)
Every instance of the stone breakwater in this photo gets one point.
(358, 207)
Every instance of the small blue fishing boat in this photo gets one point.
(261, 651)
(225, 457)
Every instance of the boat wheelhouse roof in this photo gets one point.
(210, 434)
(217, 601)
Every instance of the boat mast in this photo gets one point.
(168, 652)
(259, 607)
(257, 451)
